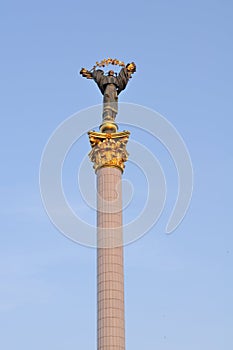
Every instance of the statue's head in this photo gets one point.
(111, 73)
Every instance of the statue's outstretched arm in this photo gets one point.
(86, 73)
(131, 68)
(124, 76)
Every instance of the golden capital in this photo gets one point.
(108, 149)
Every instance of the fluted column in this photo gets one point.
(108, 155)
(110, 273)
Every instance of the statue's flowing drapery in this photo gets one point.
(111, 86)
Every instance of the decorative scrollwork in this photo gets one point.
(108, 150)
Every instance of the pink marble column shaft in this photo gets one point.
(110, 274)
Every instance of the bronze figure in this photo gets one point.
(110, 85)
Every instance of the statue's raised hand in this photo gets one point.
(86, 73)
(131, 67)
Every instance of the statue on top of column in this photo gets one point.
(110, 85)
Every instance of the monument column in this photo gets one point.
(108, 155)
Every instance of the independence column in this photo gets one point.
(109, 155)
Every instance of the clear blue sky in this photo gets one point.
(178, 287)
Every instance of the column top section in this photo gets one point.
(108, 149)
(97, 137)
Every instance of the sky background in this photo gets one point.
(178, 287)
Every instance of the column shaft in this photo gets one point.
(110, 271)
